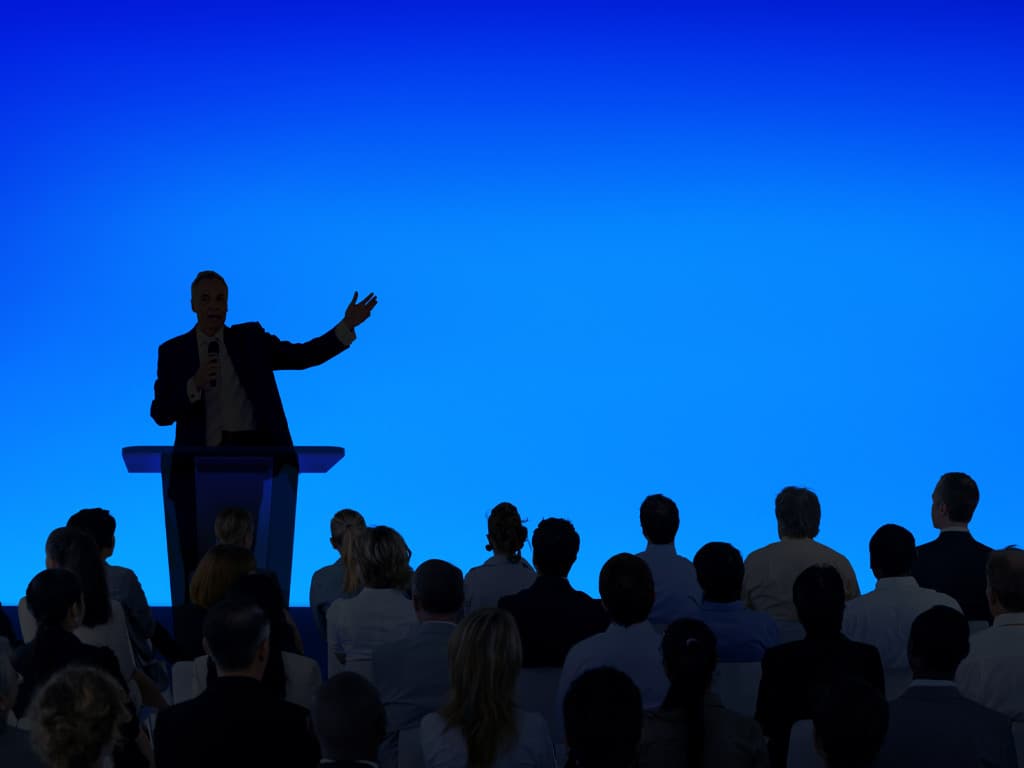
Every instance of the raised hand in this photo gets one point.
(357, 311)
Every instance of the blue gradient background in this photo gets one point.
(705, 249)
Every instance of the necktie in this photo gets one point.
(214, 414)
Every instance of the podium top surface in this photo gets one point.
(312, 458)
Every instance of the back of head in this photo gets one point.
(77, 552)
(96, 522)
(820, 600)
(347, 526)
(689, 653)
(383, 558)
(850, 723)
(555, 546)
(1005, 572)
(659, 519)
(348, 718)
(218, 570)
(719, 572)
(603, 714)
(233, 526)
(75, 717)
(959, 494)
(893, 551)
(437, 588)
(234, 630)
(939, 641)
(51, 594)
(506, 532)
(627, 589)
(798, 512)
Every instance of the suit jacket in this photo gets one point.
(937, 727)
(234, 722)
(955, 564)
(552, 617)
(255, 355)
(794, 675)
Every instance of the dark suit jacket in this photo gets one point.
(940, 728)
(794, 675)
(552, 617)
(255, 355)
(234, 722)
(955, 564)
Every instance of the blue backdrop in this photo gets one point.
(704, 249)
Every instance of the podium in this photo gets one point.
(199, 482)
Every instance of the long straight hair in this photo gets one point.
(347, 526)
(689, 653)
(76, 551)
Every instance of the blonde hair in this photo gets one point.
(217, 572)
(484, 658)
(347, 526)
(382, 557)
(233, 526)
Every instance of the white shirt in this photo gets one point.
(677, 594)
(635, 650)
(447, 748)
(357, 625)
(993, 672)
(486, 584)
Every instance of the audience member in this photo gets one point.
(850, 722)
(794, 674)
(77, 718)
(235, 721)
(883, 617)
(339, 579)
(630, 643)
(691, 728)
(742, 634)
(411, 673)
(505, 573)
(954, 563)
(931, 723)
(233, 526)
(381, 612)
(603, 717)
(218, 570)
(7, 629)
(480, 725)
(552, 616)
(349, 721)
(676, 592)
(15, 747)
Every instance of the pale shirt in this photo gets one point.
(357, 625)
(677, 594)
(993, 672)
(771, 571)
(445, 747)
(486, 584)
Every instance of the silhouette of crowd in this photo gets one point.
(776, 659)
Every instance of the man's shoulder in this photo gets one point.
(178, 342)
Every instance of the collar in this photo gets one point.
(954, 528)
(202, 338)
(927, 683)
(1009, 620)
(889, 583)
(661, 549)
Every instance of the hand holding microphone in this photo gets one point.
(206, 377)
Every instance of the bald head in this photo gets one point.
(1005, 573)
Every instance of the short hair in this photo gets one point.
(555, 546)
(347, 526)
(659, 519)
(689, 653)
(234, 630)
(940, 638)
(217, 572)
(437, 586)
(798, 512)
(603, 714)
(820, 599)
(51, 594)
(851, 720)
(627, 589)
(348, 718)
(233, 525)
(720, 571)
(76, 716)
(98, 523)
(383, 558)
(1005, 573)
(506, 531)
(209, 274)
(958, 492)
(893, 551)
(76, 551)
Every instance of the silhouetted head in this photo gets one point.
(893, 551)
(1005, 574)
(236, 634)
(437, 589)
(689, 653)
(555, 546)
(210, 301)
(798, 513)
(383, 557)
(659, 519)
(506, 533)
(939, 641)
(233, 526)
(99, 524)
(218, 570)
(76, 551)
(349, 719)
(603, 714)
(820, 600)
(627, 589)
(347, 526)
(954, 500)
(719, 572)
(52, 595)
(851, 720)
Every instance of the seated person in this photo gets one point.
(381, 612)
(552, 616)
(882, 617)
(341, 578)
(349, 720)
(850, 723)
(691, 728)
(932, 723)
(235, 721)
(772, 570)
(676, 592)
(7, 629)
(630, 643)
(794, 674)
(603, 718)
(506, 572)
(954, 563)
(233, 526)
(480, 724)
(218, 570)
(742, 634)
(15, 747)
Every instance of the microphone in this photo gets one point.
(214, 351)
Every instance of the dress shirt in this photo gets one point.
(357, 625)
(677, 594)
(742, 634)
(993, 672)
(326, 586)
(445, 747)
(636, 650)
(771, 571)
(498, 576)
